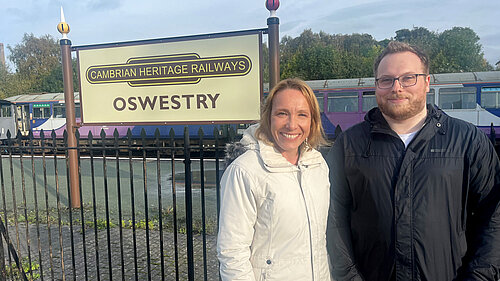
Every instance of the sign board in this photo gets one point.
(214, 78)
(35, 105)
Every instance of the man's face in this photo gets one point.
(401, 103)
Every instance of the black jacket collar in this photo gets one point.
(434, 123)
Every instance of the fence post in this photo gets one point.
(3, 273)
(493, 135)
(189, 204)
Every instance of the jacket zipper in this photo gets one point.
(308, 221)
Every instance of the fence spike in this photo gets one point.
(493, 135)
(338, 130)
(103, 134)
(65, 137)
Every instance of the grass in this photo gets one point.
(101, 223)
(31, 272)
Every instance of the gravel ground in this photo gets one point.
(124, 264)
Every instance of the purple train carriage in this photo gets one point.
(470, 96)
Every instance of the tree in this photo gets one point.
(35, 58)
(38, 68)
(462, 50)
(421, 37)
(325, 56)
(454, 50)
(12, 84)
(265, 63)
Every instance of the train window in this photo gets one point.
(369, 100)
(6, 110)
(457, 98)
(490, 97)
(59, 111)
(41, 112)
(319, 97)
(430, 97)
(343, 102)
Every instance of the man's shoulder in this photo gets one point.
(465, 134)
(462, 128)
(361, 129)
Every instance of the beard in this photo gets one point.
(401, 111)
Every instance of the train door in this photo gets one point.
(7, 120)
(343, 108)
(22, 119)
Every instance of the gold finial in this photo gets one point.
(63, 27)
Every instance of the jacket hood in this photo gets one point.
(271, 157)
(235, 149)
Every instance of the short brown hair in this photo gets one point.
(401, 47)
(316, 134)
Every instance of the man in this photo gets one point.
(415, 193)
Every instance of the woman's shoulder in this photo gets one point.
(248, 160)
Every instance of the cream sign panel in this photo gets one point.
(193, 81)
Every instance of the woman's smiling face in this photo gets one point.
(290, 122)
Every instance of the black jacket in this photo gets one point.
(428, 212)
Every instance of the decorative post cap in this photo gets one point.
(272, 6)
(63, 27)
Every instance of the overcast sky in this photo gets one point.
(104, 21)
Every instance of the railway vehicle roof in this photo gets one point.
(40, 97)
(465, 77)
(441, 78)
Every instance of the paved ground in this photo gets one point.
(89, 266)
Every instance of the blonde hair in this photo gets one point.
(316, 136)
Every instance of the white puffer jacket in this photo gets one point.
(273, 215)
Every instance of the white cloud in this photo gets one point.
(99, 21)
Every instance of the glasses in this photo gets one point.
(406, 80)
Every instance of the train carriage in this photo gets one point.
(7, 119)
(47, 112)
(470, 96)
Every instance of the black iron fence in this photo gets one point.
(148, 208)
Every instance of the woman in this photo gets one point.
(275, 196)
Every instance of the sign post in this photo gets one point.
(273, 23)
(69, 97)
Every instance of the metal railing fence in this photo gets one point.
(148, 208)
